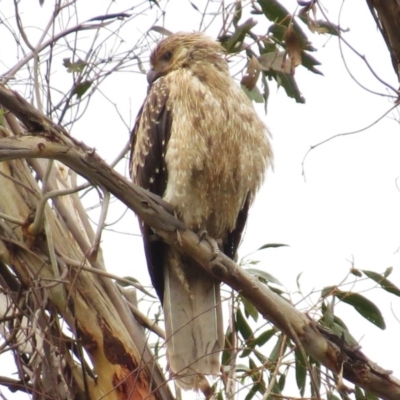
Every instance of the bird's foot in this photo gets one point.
(211, 241)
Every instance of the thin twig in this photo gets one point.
(276, 369)
(77, 264)
(100, 226)
(11, 219)
(344, 134)
(37, 224)
(362, 57)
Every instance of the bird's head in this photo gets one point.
(184, 50)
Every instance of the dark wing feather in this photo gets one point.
(233, 240)
(154, 122)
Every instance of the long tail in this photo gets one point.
(193, 320)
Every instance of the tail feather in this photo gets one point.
(193, 320)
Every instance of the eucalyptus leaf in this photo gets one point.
(301, 371)
(264, 337)
(363, 306)
(242, 326)
(81, 88)
(249, 308)
(263, 276)
(383, 282)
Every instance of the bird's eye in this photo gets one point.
(167, 56)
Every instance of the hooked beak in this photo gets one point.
(152, 76)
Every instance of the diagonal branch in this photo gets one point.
(52, 142)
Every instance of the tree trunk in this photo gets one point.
(63, 308)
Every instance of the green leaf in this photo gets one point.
(274, 10)
(264, 337)
(336, 324)
(344, 396)
(254, 94)
(252, 365)
(233, 44)
(370, 396)
(316, 372)
(356, 272)
(328, 291)
(242, 368)
(383, 282)
(359, 393)
(298, 281)
(328, 317)
(309, 62)
(301, 371)
(194, 6)
(77, 66)
(364, 306)
(242, 326)
(252, 392)
(321, 26)
(238, 13)
(260, 357)
(155, 2)
(282, 382)
(249, 309)
(339, 330)
(278, 31)
(277, 291)
(227, 353)
(331, 28)
(388, 271)
(81, 88)
(280, 16)
(263, 276)
(265, 93)
(256, 376)
(340, 322)
(276, 351)
(271, 246)
(161, 30)
(288, 82)
(331, 396)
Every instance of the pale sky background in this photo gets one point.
(346, 210)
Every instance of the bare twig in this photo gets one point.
(363, 129)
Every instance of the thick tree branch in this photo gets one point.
(51, 141)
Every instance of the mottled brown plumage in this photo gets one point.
(199, 144)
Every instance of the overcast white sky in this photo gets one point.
(346, 210)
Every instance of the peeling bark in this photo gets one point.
(47, 264)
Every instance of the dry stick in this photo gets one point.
(276, 370)
(53, 142)
(94, 251)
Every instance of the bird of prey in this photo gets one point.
(199, 144)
